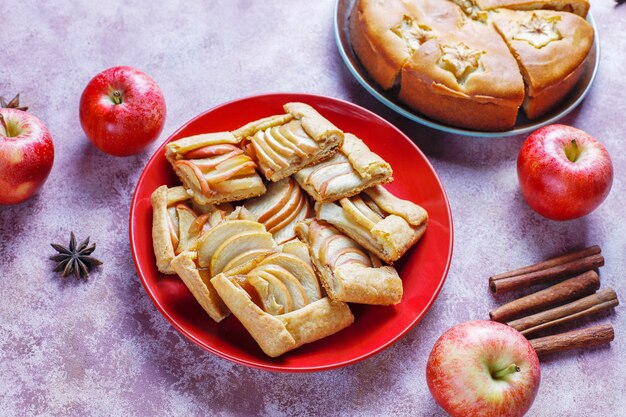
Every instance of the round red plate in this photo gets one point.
(423, 268)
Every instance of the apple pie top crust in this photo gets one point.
(346, 173)
(578, 7)
(283, 144)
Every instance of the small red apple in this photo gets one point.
(26, 154)
(122, 111)
(564, 173)
(483, 369)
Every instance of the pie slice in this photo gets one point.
(348, 272)
(177, 223)
(278, 300)
(378, 221)
(579, 7)
(284, 144)
(280, 208)
(214, 169)
(551, 49)
(345, 174)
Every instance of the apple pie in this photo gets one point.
(280, 208)
(286, 143)
(346, 173)
(279, 302)
(445, 58)
(348, 272)
(177, 223)
(551, 49)
(377, 220)
(214, 169)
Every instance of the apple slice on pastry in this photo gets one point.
(348, 272)
(284, 144)
(377, 220)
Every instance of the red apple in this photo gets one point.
(483, 369)
(122, 111)
(26, 155)
(564, 173)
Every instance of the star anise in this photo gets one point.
(13, 104)
(75, 258)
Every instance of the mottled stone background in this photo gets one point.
(100, 348)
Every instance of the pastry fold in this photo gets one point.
(213, 168)
(280, 208)
(377, 220)
(346, 173)
(348, 272)
(284, 144)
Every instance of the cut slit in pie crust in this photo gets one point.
(349, 272)
(284, 144)
(345, 174)
(214, 169)
(377, 220)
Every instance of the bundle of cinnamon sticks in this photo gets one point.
(573, 298)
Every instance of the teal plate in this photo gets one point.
(523, 125)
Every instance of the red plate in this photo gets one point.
(423, 268)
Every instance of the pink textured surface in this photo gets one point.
(101, 348)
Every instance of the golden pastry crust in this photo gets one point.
(349, 171)
(579, 7)
(348, 272)
(378, 221)
(280, 208)
(277, 331)
(213, 168)
(551, 48)
(199, 285)
(283, 144)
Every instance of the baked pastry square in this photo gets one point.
(377, 220)
(177, 222)
(348, 272)
(214, 169)
(279, 302)
(551, 49)
(284, 144)
(280, 208)
(346, 173)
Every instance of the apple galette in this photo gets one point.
(213, 168)
(286, 143)
(378, 221)
(461, 61)
(280, 208)
(345, 174)
(279, 301)
(177, 222)
(348, 272)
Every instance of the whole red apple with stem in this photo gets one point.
(483, 369)
(26, 153)
(122, 111)
(564, 173)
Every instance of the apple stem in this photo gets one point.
(504, 372)
(4, 125)
(117, 97)
(572, 151)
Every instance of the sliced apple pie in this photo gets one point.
(214, 169)
(346, 173)
(278, 300)
(349, 272)
(377, 220)
(579, 7)
(280, 208)
(284, 144)
(177, 223)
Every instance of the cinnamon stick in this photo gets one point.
(590, 336)
(603, 300)
(561, 293)
(500, 283)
